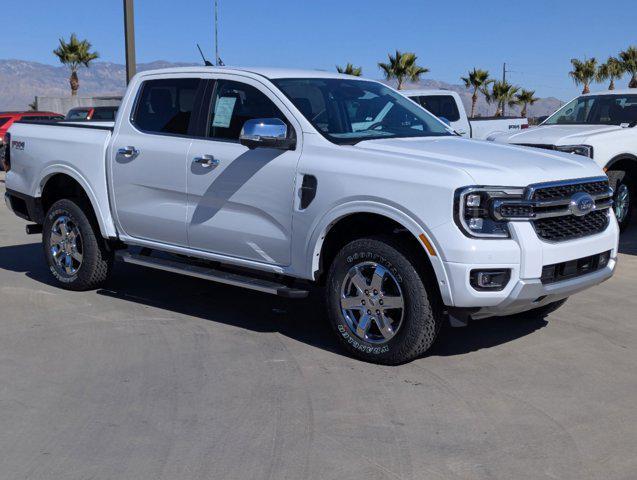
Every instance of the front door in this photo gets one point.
(149, 162)
(240, 200)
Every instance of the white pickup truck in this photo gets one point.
(275, 180)
(601, 126)
(447, 105)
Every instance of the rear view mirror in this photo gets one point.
(266, 133)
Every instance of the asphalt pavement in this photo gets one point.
(159, 376)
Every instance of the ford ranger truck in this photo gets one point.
(600, 126)
(278, 180)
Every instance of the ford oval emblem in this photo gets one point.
(581, 204)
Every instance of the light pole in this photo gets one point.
(129, 38)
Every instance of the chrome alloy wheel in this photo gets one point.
(372, 302)
(66, 246)
(622, 202)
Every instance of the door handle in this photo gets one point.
(128, 152)
(206, 161)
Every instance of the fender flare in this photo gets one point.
(619, 158)
(321, 228)
(104, 219)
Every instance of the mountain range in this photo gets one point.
(21, 81)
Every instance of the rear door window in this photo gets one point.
(166, 105)
(105, 114)
(441, 106)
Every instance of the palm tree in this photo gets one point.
(478, 80)
(74, 54)
(350, 69)
(629, 61)
(526, 98)
(503, 93)
(612, 70)
(584, 72)
(402, 66)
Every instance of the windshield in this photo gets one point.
(597, 110)
(349, 111)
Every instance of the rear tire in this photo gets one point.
(624, 196)
(76, 253)
(378, 304)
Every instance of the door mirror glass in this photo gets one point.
(266, 132)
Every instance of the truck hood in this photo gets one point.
(490, 163)
(555, 134)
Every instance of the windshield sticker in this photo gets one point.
(223, 111)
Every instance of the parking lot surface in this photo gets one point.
(159, 376)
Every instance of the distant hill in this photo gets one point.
(21, 81)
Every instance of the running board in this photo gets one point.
(234, 279)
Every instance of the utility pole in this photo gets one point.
(129, 39)
(216, 33)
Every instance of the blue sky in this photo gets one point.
(536, 38)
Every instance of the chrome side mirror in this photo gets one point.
(266, 133)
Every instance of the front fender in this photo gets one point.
(321, 227)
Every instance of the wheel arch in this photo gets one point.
(64, 182)
(623, 161)
(348, 222)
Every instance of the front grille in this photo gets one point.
(574, 268)
(558, 192)
(569, 227)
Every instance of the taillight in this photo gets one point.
(6, 152)
(524, 125)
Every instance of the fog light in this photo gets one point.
(603, 259)
(491, 279)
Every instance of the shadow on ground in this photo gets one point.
(302, 320)
(628, 239)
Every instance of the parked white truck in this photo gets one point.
(447, 105)
(596, 125)
(275, 180)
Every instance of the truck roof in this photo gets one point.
(622, 91)
(267, 72)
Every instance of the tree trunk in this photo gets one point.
(612, 84)
(587, 89)
(474, 101)
(400, 83)
(633, 82)
(75, 83)
(498, 111)
(523, 112)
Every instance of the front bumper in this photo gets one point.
(525, 254)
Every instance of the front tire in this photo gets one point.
(623, 198)
(77, 255)
(378, 304)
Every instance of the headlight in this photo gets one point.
(585, 150)
(474, 213)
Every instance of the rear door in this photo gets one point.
(240, 201)
(149, 174)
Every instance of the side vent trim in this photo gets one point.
(308, 190)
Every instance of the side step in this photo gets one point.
(251, 283)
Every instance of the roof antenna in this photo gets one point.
(207, 63)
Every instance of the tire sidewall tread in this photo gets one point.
(420, 323)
